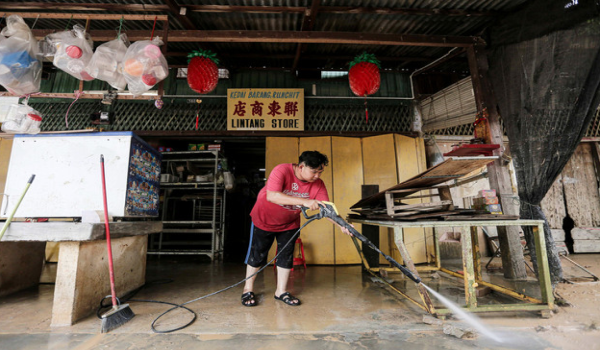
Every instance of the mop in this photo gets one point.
(118, 314)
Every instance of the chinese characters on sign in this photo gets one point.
(265, 109)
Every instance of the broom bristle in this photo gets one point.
(116, 317)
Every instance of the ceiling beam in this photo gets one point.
(340, 10)
(90, 16)
(34, 5)
(308, 24)
(310, 57)
(240, 36)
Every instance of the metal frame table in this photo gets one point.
(472, 264)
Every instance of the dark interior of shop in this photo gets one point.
(245, 159)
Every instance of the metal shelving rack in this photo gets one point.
(202, 231)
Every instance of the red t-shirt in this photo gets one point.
(276, 218)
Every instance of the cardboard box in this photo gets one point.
(493, 208)
(485, 200)
(214, 147)
(487, 193)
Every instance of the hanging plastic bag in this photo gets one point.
(106, 63)
(22, 119)
(229, 180)
(144, 65)
(20, 68)
(73, 52)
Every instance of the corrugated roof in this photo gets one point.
(406, 17)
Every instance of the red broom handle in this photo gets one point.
(111, 269)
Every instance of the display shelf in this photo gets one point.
(193, 213)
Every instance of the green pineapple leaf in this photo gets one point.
(366, 57)
(203, 53)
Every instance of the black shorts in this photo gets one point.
(260, 243)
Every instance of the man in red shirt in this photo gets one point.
(276, 214)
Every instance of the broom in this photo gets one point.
(118, 314)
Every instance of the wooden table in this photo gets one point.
(471, 262)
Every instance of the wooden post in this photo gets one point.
(542, 263)
(468, 268)
(511, 250)
(476, 254)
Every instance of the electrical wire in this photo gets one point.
(182, 306)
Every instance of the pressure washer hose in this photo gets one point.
(330, 211)
(364, 239)
(327, 211)
(182, 306)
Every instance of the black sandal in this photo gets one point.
(288, 299)
(247, 298)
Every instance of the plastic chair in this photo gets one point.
(302, 259)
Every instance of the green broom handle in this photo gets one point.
(16, 207)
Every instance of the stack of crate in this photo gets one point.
(487, 201)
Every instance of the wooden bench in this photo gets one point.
(82, 278)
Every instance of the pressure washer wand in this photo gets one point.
(329, 211)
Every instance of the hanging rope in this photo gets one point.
(77, 95)
(69, 23)
(153, 26)
(120, 26)
(34, 22)
(27, 96)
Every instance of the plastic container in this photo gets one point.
(32, 123)
(106, 63)
(74, 50)
(22, 119)
(144, 66)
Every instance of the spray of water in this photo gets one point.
(463, 315)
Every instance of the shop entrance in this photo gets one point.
(208, 188)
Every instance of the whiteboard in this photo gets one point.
(67, 174)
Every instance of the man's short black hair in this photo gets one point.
(313, 159)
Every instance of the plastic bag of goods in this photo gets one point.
(20, 67)
(229, 180)
(47, 45)
(144, 65)
(22, 119)
(73, 52)
(106, 63)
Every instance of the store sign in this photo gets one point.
(265, 109)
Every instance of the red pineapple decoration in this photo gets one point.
(203, 74)
(364, 76)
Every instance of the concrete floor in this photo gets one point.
(342, 309)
